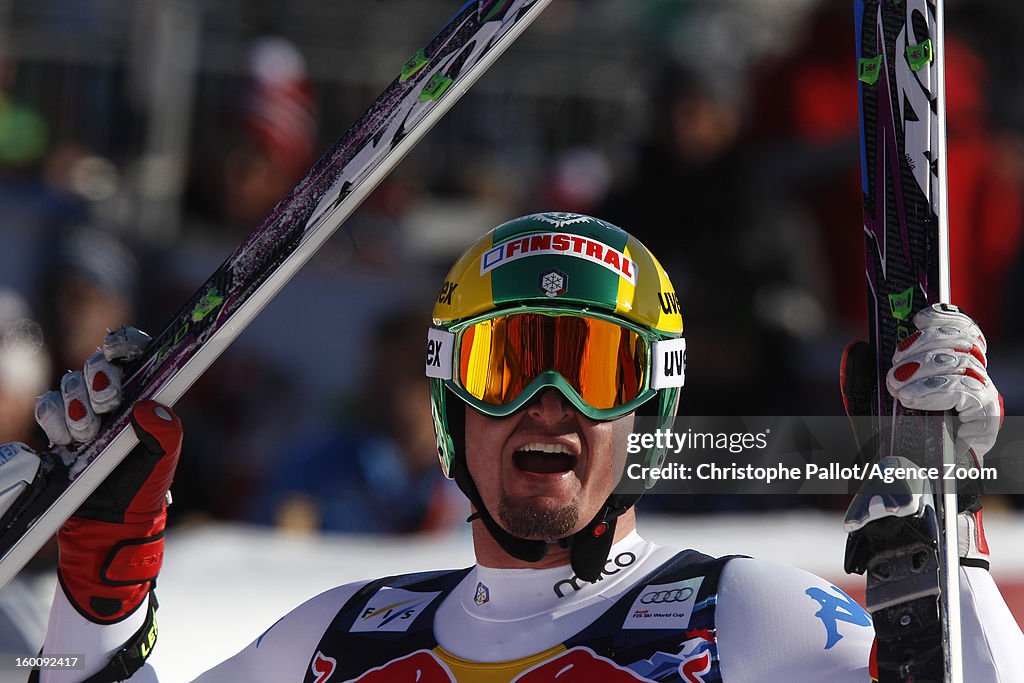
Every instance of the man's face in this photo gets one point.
(544, 472)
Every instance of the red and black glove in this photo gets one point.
(111, 550)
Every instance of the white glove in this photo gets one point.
(72, 413)
(942, 366)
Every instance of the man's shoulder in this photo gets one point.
(332, 601)
(771, 586)
(311, 618)
(744, 570)
(283, 651)
(788, 620)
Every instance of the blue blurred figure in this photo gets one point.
(376, 472)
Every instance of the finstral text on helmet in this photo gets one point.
(559, 243)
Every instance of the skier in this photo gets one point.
(547, 341)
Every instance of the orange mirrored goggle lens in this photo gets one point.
(604, 362)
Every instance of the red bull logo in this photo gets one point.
(323, 667)
(578, 665)
(421, 666)
(696, 655)
(693, 670)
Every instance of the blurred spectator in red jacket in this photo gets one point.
(809, 97)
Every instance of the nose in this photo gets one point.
(550, 406)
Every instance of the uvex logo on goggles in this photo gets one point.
(559, 243)
(607, 365)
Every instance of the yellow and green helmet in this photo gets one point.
(557, 300)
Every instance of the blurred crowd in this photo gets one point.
(723, 134)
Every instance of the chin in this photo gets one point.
(538, 519)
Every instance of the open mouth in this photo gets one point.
(544, 458)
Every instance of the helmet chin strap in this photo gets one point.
(591, 545)
(521, 548)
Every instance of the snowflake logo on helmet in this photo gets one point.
(554, 282)
(560, 219)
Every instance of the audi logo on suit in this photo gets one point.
(659, 597)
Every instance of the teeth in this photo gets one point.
(545, 447)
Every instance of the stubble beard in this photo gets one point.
(530, 520)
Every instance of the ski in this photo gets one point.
(430, 82)
(905, 539)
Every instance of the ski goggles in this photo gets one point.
(604, 367)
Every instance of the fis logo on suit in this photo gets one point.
(392, 610)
